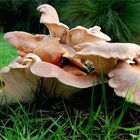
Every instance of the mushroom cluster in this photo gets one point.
(61, 58)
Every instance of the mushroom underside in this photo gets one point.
(125, 79)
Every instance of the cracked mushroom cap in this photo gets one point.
(105, 56)
(50, 19)
(67, 83)
(18, 84)
(81, 34)
(24, 42)
(125, 79)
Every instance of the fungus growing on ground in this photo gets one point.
(106, 55)
(45, 56)
(80, 34)
(125, 79)
(17, 82)
(50, 18)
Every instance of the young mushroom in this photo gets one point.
(106, 55)
(81, 34)
(50, 18)
(17, 84)
(125, 79)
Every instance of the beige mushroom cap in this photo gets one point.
(80, 34)
(18, 84)
(50, 50)
(69, 54)
(49, 70)
(125, 79)
(105, 56)
(24, 42)
(50, 18)
(96, 31)
(57, 29)
(49, 14)
(120, 51)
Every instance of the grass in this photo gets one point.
(7, 53)
(94, 114)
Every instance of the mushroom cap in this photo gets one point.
(50, 18)
(69, 54)
(17, 83)
(49, 70)
(57, 29)
(125, 79)
(120, 51)
(49, 14)
(96, 31)
(80, 34)
(50, 50)
(105, 56)
(24, 42)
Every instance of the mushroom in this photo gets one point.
(50, 50)
(69, 55)
(50, 18)
(24, 42)
(17, 84)
(80, 34)
(49, 13)
(44, 46)
(59, 82)
(125, 79)
(105, 56)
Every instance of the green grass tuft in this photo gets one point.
(7, 52)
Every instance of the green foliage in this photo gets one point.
(120, 19)
(19, 15)
(7, 53)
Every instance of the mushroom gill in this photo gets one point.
(106, 55)
(18, 84)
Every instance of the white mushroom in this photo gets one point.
(125, 79)
(18, 84)
(106, 55)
